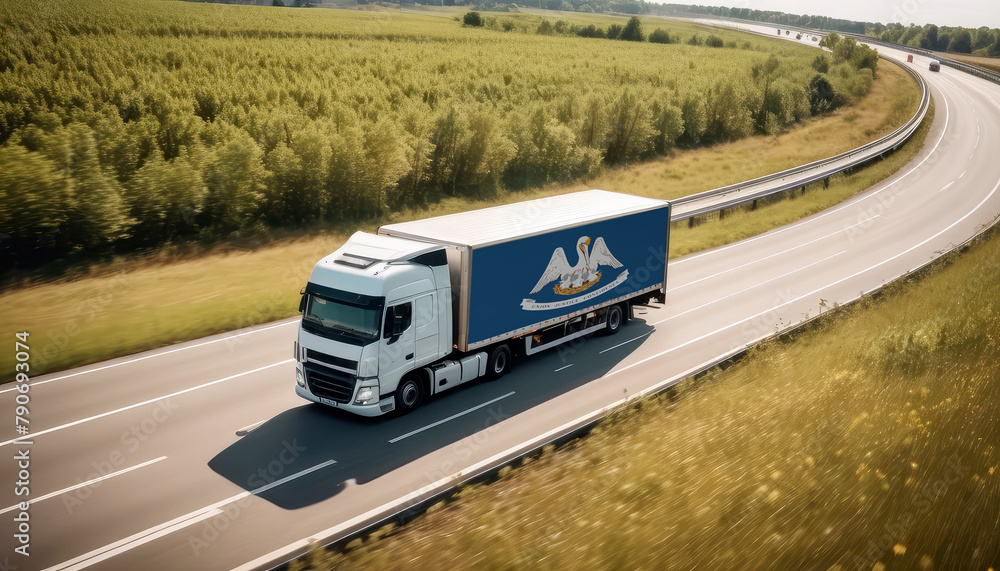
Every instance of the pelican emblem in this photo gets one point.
(578, 278)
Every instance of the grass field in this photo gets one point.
(119, 309)
(990, 63)
(870, 442)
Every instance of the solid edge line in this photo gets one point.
(150, 401)
(84, 484)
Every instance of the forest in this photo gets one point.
(128, 126)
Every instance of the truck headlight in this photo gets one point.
(368, 393)
(299, 379)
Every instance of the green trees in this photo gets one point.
(847, 50)
(33, 197)
(149, 123)
(633, 31)
(961, 42)
(164, 199)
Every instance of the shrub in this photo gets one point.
(695, 40)
(473, 19)
(821, 63)
(590, 31)
(659, 36)
(821, 94)
(614, 30)
(714, 42)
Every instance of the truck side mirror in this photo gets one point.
(302, 300)
(397, 325)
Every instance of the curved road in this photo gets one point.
(201, 456)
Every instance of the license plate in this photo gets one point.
(328, 401)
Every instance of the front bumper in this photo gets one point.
(383, 406)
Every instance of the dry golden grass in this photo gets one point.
(990, 63)
(132, 306)
(871, 442)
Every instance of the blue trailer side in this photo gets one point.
(591, 265)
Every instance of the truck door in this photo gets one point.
(426, 329)
(397, 345)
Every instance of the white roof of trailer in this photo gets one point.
(499, 224)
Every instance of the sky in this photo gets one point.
(967, 13)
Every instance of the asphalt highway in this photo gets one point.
(200, 455)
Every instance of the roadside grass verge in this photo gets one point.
(134, 305)
(871, 441)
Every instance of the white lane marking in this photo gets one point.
(452, 417)
(835, 209)
(85, 484)
(37, 383)
(150, 401)
(802, 245)
(717, 300)
(625, 342)
(246, 429)
(947, 186)
(561, 368)
(814, 292)
(158, 531)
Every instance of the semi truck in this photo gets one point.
(421, 307)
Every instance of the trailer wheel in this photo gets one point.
(613, 320)
(499, 363)
(409, 393)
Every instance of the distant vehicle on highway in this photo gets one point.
(909, 58)
(935, 65)
(424, 306)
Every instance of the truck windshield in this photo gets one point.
(337, 319)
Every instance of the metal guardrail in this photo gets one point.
(744, 191)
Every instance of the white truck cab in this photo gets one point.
(372, 311)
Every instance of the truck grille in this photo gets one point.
(331, 361)
(329, 383)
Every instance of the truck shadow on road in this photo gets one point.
(365, 449)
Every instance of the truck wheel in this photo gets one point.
(613, 320)
(499, 363)
(409, 393)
